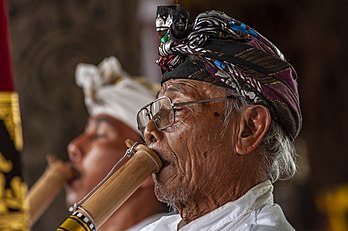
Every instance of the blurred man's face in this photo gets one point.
(94, 152)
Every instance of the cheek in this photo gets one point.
(205, 129)
(192, 139)
(100, 161)
(203, 136)
(186, 141)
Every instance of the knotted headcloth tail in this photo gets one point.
(226, 52)
(108, 89)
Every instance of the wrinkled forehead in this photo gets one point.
(190, 88)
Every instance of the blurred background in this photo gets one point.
(49, 38)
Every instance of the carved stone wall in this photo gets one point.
(48, 39)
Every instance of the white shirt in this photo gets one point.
(145, 222)
(254, 211)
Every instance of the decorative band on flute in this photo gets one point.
(77, 222)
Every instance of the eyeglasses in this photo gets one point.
(162, 112)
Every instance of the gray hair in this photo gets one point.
(279, 153)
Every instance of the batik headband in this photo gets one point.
(219, 49)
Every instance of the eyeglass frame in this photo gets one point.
(173, 105)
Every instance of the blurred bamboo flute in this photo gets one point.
(46, 189)
(115, 189)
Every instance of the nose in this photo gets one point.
(75, 149)
(151, 133)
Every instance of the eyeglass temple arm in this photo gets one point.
(203, 100)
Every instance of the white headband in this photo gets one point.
(108, 89)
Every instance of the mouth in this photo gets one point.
(165, 163)
(76, 174)
(161, 156)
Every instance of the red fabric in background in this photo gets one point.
(6, 82)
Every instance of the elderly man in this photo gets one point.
(223, 124)
(112, 99)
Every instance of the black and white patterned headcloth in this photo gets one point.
(219, 49)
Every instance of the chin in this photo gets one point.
(172, 195)
(166, 195)
(161, 194)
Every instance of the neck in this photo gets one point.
(219, 191)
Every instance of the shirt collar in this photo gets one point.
(257, 197)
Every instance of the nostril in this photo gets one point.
(153, 139)
(74, 153)
(151, 133)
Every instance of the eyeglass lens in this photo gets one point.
(160, 112)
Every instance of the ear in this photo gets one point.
(147, 183)
(254, 124)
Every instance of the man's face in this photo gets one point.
(94, 152)
(193, 150)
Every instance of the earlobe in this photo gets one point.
(253, 126)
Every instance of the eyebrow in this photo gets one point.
(103, 120)
(99, 120)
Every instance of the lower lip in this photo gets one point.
(165, 164)
(74, 183)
